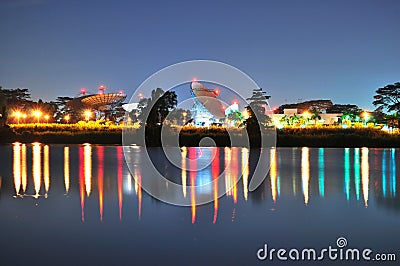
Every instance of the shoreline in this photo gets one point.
(290, 137)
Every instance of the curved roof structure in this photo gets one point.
(103, 100)
(208, 99)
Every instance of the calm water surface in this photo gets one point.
(80, 205)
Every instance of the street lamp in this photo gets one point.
(47, 117)
(87, 114)
(37, 114)
(67, 118)
(18, 115)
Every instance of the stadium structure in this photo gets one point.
(104, 104)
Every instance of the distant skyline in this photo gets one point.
(337, 50)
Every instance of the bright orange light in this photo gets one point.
(140, 95)
(67, 118)
(307, 114)
(17, 114)
(216, 92)
(88, 114)
(234, 102)
(47, 117)
(37, 114)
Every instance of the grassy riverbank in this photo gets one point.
(189, 136)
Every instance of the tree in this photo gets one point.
(179, 116)
(315, 115)
(236, 117)
(3, 109)
(256, 110)
(388, 98)
(154, 110)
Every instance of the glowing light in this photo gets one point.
(234, 102)
(305, 172)
(321, 177)
(357, 181)
(23, 168)
(234, 175)
(66, 169)
(365, 115)
(183, 162)
(17, 167)
(82, 182)
(384, 173)
(119, 178)
(37, 114)
(140, 95)
(18, 115)
(365, 174)
(121, 92)
(192, 167)
(87, 166)
(216, 91)
(83, 91)
(245, 170)
(47, 117)
(36, 168)
(393, 172)
(306, 114)
(46, 169)
(88, 114)
(100, 179)
(347, 173)
(273, 173)
(67, 118)
(194, 79)
(215, 173)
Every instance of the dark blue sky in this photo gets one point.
(339, 50)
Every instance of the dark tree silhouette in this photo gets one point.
(154, 110)
(388, 98)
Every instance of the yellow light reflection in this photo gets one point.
(192, 168)
(66, 169)
(17, 167)
(183, 162)
(36, 168)
(273, 173)
(365, 174)
(24, 171)
(245, 170)
(305, 172)
(139, 190)
(228, 185)
(46, 169)
(87, 165)
(234, 175)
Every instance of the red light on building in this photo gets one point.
(216, 92)
(194, 79)
(121, 92)
(234, 102)
(83, 91)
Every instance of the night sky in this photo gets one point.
(338, 50)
